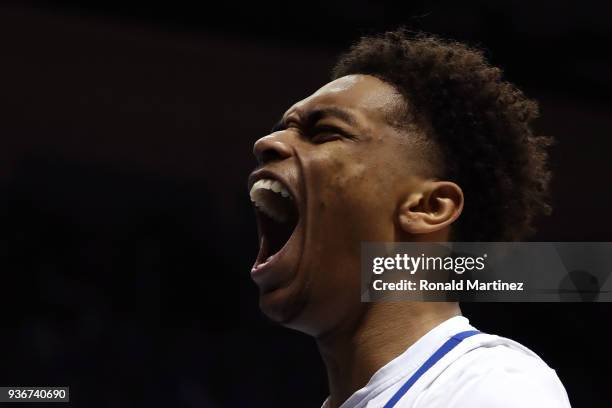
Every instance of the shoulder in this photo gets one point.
(499, 373)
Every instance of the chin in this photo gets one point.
(308, 308)
(292, 307)
(283, 306)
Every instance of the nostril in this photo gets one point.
(270, 155)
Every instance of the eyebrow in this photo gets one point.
(315, 115)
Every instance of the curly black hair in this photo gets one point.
(480, 124)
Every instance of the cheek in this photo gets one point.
(349, 193)
(334, 179)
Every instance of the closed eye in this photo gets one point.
(322, 134)
(316, 133)
(327, 133)
(278, 127)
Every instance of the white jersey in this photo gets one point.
(481, 371)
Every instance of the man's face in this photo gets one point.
(332, 176)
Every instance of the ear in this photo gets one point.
(434, 207)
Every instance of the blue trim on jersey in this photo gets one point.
(435, 357)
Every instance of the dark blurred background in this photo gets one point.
(126, 234)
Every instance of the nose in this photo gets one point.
(271, 148)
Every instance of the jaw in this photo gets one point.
(310, 280)
(281, 223)
(282, 284)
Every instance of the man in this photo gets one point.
(416, 139)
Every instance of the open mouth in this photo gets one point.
(277, 218)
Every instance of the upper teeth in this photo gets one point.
(260, 202)
(269, 184)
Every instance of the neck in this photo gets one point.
(354, 352)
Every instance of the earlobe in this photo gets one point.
(435, 207)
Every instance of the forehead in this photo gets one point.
(363, 95)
